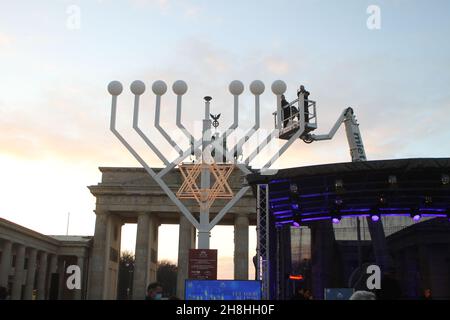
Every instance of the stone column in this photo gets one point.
(62, 266)
(185, 242)
(141, 262)
(99, 258)
(42, 275)
(78, 292)
(153, 249)
(53, 268)
(5, 267)
(381, 253)
(31, 272)
(241, 247)
(322, 250)
(424, 265)
(16, 293)
(409, 276)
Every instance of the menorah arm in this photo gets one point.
(178, 160)
(179, 124)
(235, 114)
(228, 155)
(161, 130)
(285, 146)
(235, 124)
(149, 170)
(227, 207)
(218, 143)
(142, 134)
(252, 131)
(197, 145)
(270, 136)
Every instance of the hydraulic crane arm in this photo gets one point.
(354, 139)
(333, 130)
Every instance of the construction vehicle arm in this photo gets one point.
(354, 139)
(333, 130)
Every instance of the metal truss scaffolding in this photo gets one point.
(263, 252)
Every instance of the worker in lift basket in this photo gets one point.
(286, 111)
(305, 93)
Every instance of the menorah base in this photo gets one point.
(203, 239)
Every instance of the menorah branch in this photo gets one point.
(138, 88)
(115, 88)
(160, 129)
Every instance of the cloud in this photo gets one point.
(6, 41)
(192, 11)
(162, 4)
(277, 65)
(62, 126)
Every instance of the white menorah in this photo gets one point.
(206, 193)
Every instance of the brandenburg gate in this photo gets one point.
(130, 195)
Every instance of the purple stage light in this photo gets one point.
(355, 210)
(336, 220)
(416, 217)
(355, 216)
(433, 215)
(273, 206)
(316, 219)
(279, 199)
(375, 218)
(276, 213)
(296, 224)
(278, 181)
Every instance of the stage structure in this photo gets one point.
(399, 194)
(299, 125)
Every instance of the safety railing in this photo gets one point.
(294, 118)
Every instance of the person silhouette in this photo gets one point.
(286, 110)
(306, 94)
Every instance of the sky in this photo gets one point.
(57, 57)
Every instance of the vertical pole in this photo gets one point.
(263, 241)
(358, 232)
(301, 108)
(68, 219)
(279, 111)
(203, 232)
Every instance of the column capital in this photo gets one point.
(6, 241)
(32, 250)
(100, 212)
(18, 245)
(241, 215)
(43, 253)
